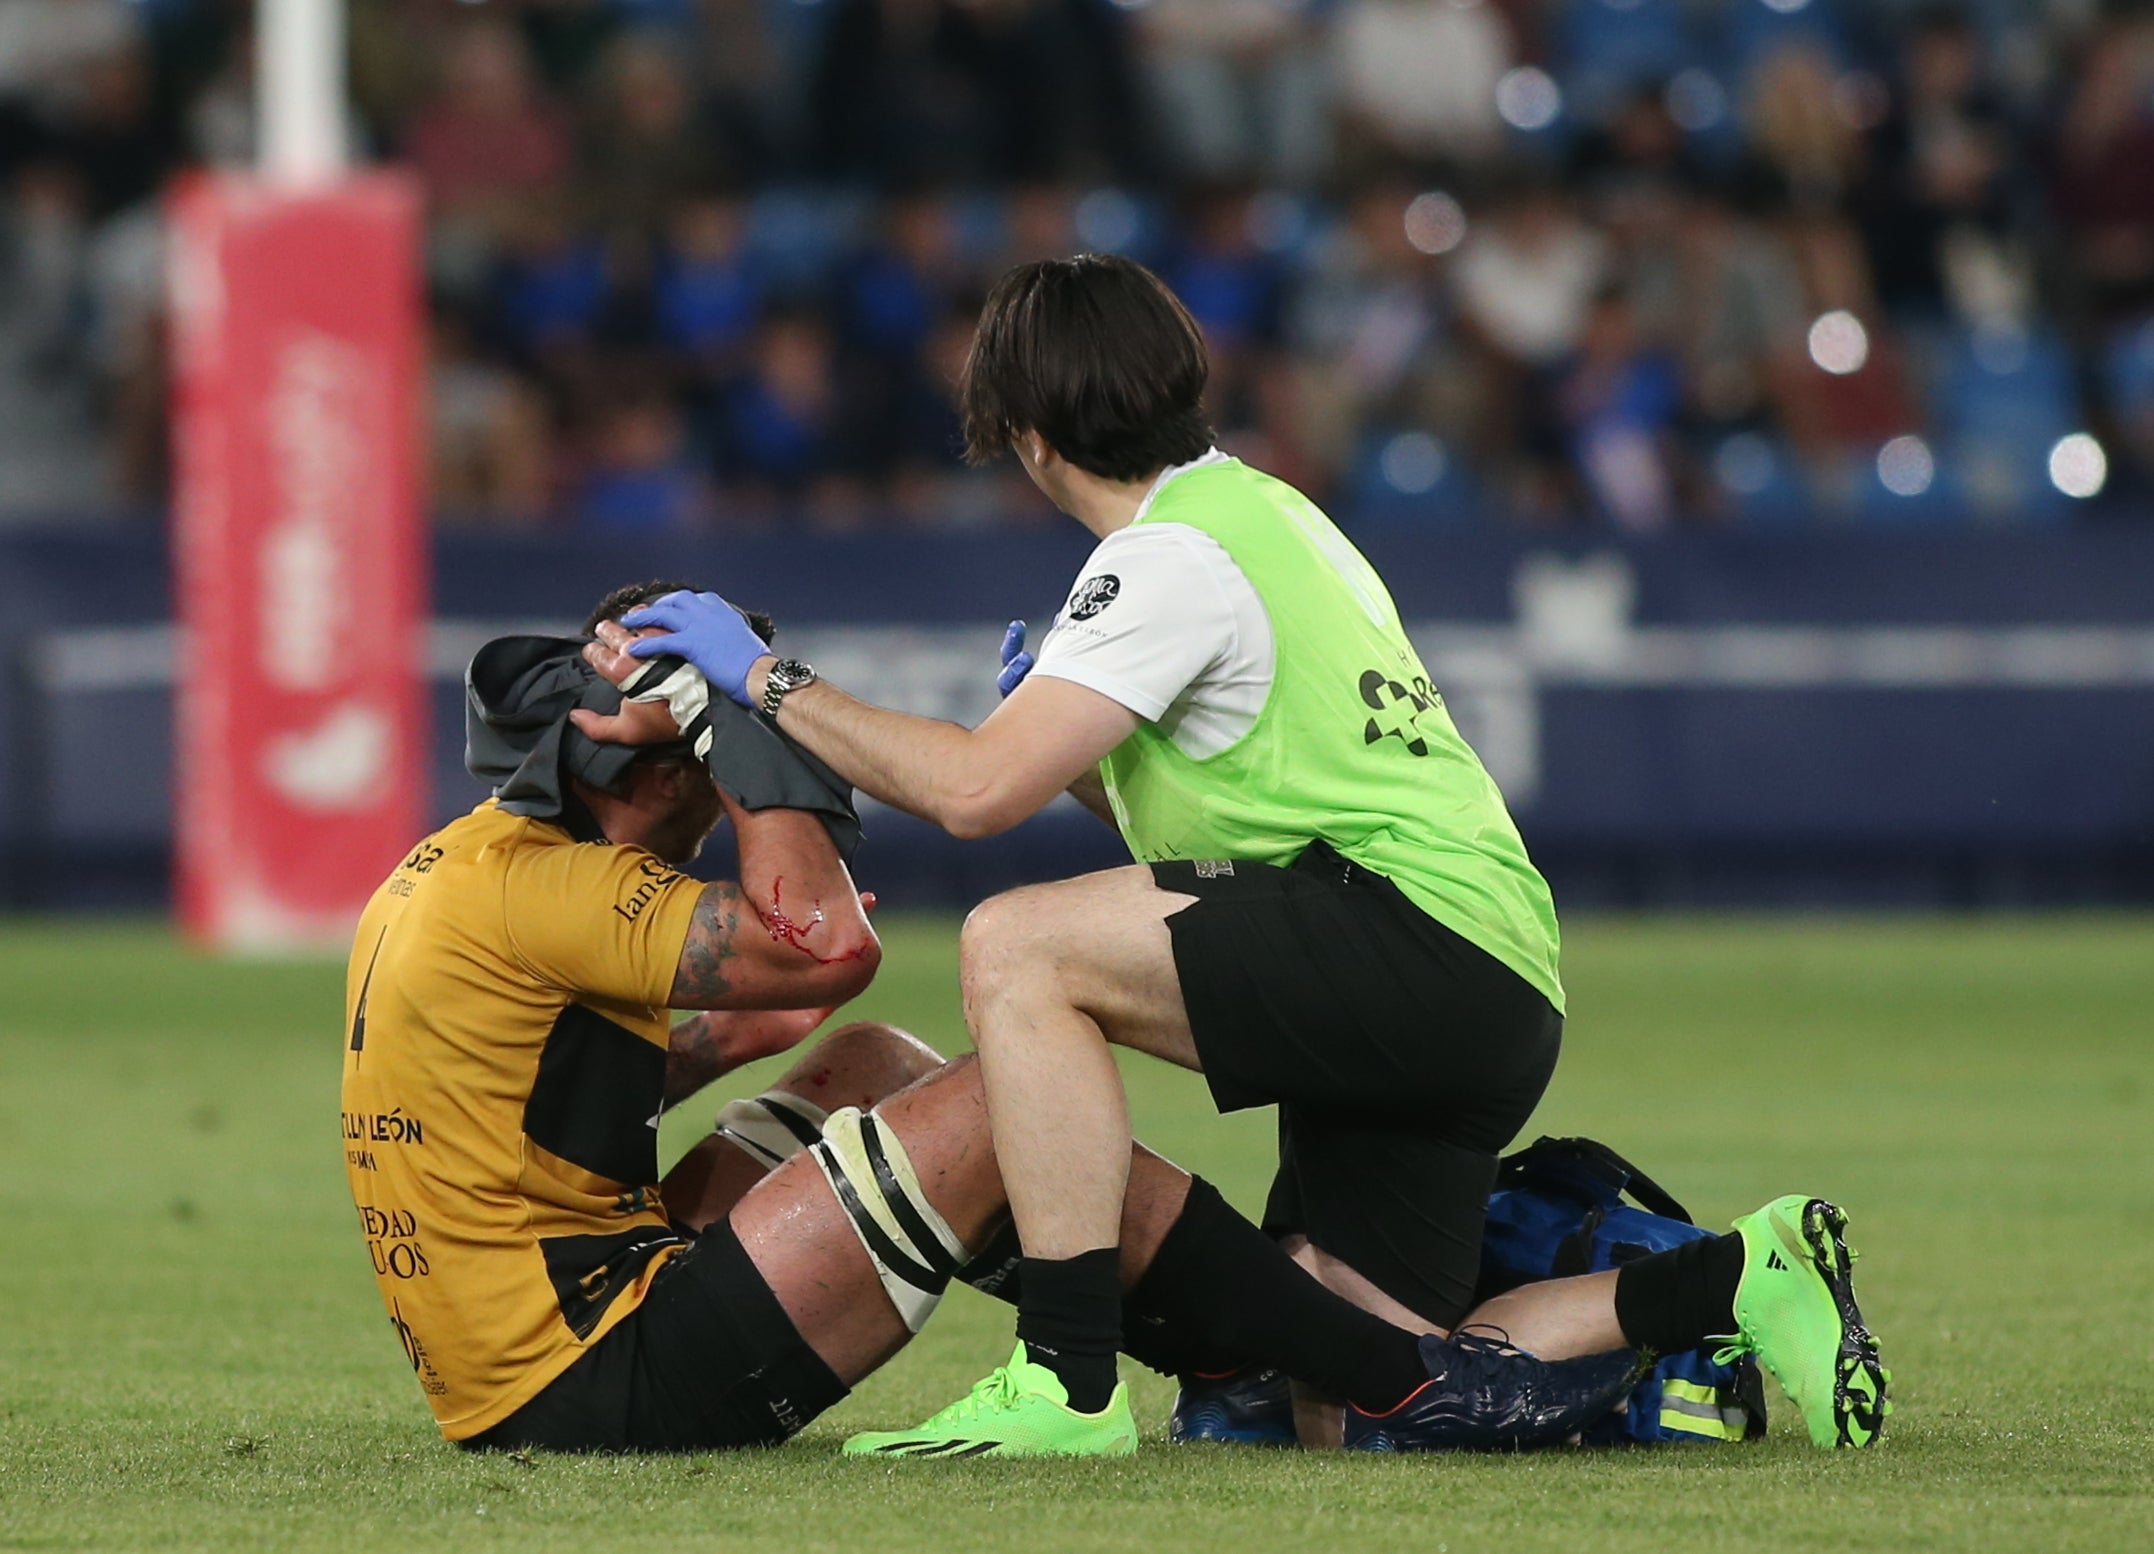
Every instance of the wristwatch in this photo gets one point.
(786, 676)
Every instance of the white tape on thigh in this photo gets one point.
(913, 1248)
(773, 1127)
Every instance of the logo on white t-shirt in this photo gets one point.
(1093, 595)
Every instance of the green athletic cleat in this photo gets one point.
(1795, 1310)
(1019, 1410)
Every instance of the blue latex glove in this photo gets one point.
(706, 631)
(1016, 662)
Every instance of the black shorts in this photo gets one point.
(1402, 1058)
(708, 1362)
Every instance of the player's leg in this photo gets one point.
(1555, 1318)
(1779, 1285)
(855, 1241)
(1392, 1215)
(1384, 1202)
(856, 1065)
(836, 1277)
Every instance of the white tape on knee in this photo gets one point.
(773, 1127)
(913, 1248)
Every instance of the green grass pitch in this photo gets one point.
(192, 1355)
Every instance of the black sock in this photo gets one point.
(1677, 1299)
(1217, 1275)
(1168, 1347)
(1070, 1319)
(997, 1269)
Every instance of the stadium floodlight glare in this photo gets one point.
(1435, 222)
(1696, 100)
(2077, 466)
(1528, 98)
(299, 86)
(1839, 343)
(1905, 466)
(1413, 463)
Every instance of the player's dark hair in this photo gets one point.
(1097, 356)
(633, 596)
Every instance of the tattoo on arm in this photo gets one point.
(700, 980)
(693, 1059)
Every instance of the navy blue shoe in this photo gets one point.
(1486, 1396)
(1248, 1408)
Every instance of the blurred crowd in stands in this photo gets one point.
(711, 263)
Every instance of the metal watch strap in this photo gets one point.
(786, 676)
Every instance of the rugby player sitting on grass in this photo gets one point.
(507, 1056)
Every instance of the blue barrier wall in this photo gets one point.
(1918, 718)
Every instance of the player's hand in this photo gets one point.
(637, 723)
(706, 631)
(1016, 662)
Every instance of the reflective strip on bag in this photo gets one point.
(1687, 1408)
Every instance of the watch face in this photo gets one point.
(786, 675)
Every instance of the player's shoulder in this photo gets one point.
(484, 861)
(557, 874)
(485, 841)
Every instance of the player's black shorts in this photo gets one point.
(709, 1361)
(1402, 1058)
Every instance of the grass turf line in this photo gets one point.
(193, 1355)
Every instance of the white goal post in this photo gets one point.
(300, 70)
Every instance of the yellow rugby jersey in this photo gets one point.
(504, 1066)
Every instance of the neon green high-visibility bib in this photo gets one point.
(1354, 746)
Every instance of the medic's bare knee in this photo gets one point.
(997, 929)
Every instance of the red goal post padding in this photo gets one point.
(299, 551)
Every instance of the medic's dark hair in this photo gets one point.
(1097, 356)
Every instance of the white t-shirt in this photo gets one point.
(1163, 622)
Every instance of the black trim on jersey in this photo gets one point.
(598, 1088)
(587, 1272)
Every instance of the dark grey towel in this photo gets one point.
(519, 691)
